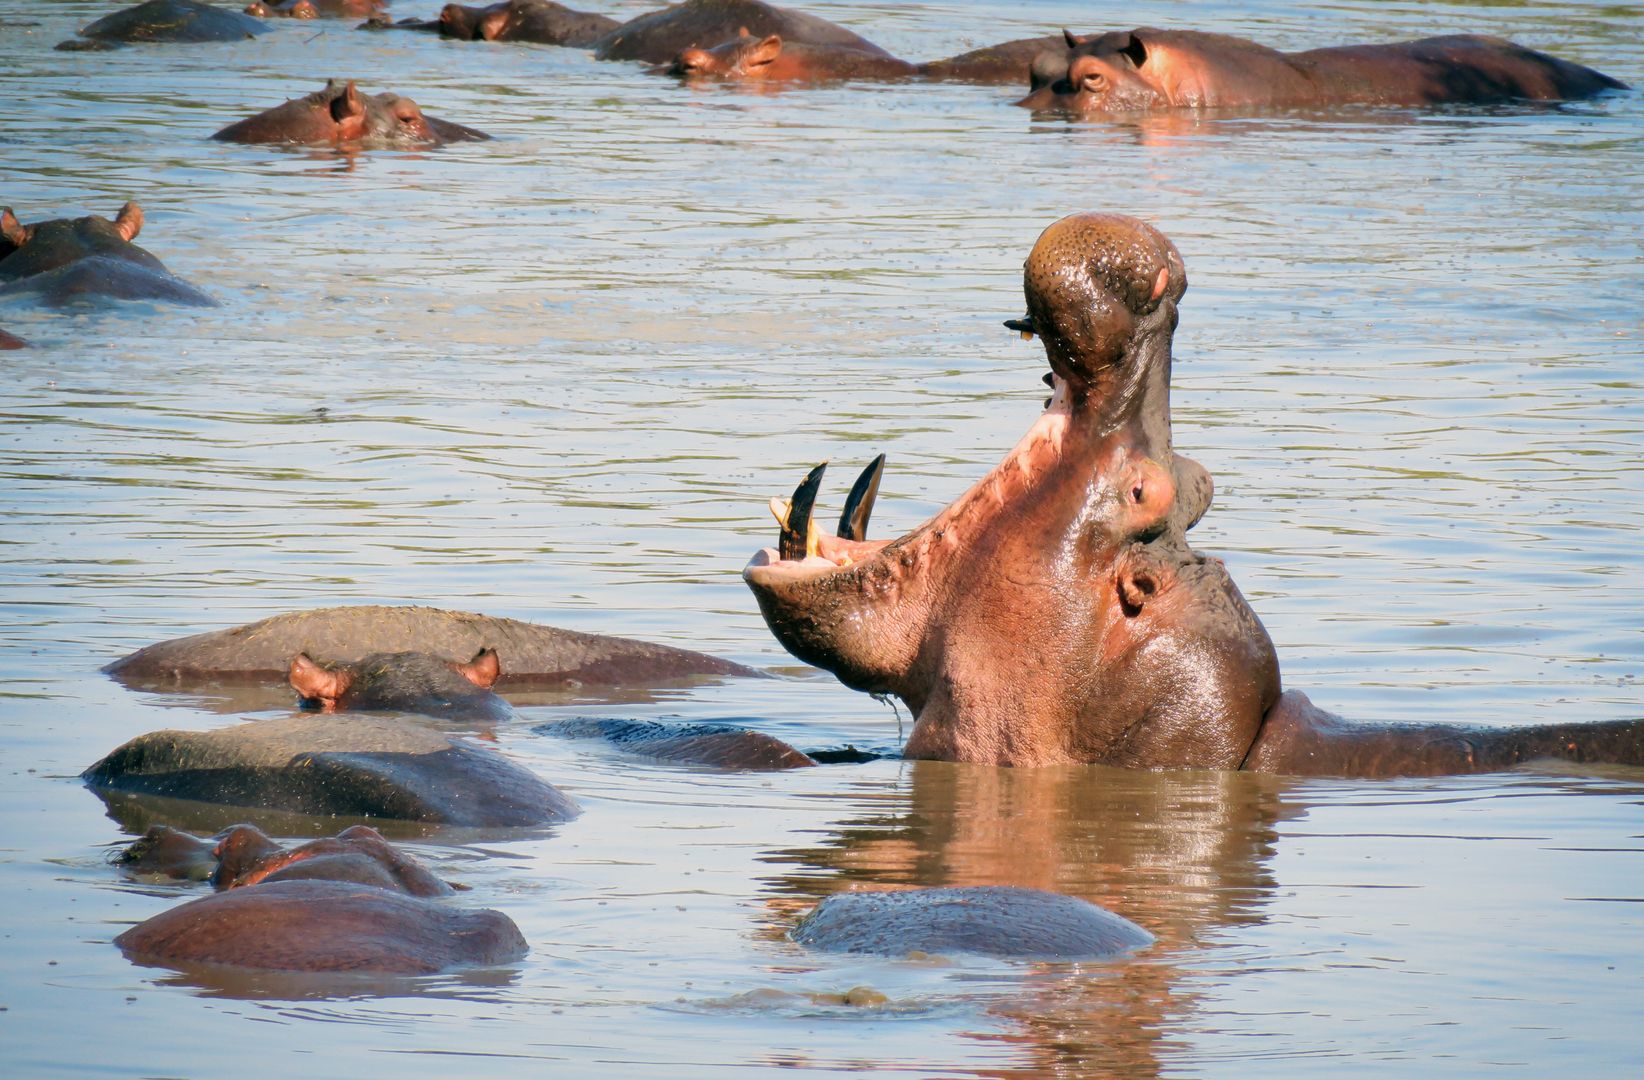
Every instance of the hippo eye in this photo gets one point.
(1095, 82)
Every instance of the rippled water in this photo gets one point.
(556, 376)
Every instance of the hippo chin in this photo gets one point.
(1054, 613)
(1146, 69)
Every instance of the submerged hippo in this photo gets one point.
(65, 259)
(323, 926)
(315, 9)
(660, 36)
(1145, 69)
(538, 655)
(1010, 63)
(719, 746)
(403, 682)
(988, 920)
(746, 57)
(1055, 613)
(244, 855)
(351, 766)
(542, 22)
(167, 21)
(341, 114)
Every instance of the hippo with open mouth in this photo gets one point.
(1054, 613)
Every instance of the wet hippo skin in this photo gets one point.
(354, 766)
(1055, 613)
(539, 21)
(1146, 68)
(723, 746)
(404, 682)
(65, 259)
(536, 655)
(340, 113)
(659, 36)
(323, 926)
(990, 920)
(168, 21)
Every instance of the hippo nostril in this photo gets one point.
(1136, 493)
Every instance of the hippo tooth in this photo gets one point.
(853, 522)
(1023, 326)
(798, 537)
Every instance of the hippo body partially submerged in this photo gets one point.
(340, 113)
(537, 655)
(323, 926)
(68, 259)
(540, 22)
(1055, 613)
(660, 36)
(404, 682)
(1147, 69)
(157, 21)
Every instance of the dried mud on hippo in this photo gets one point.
(1055, 613)
(1145, 69)
(66, 259)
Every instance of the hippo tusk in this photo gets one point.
(1023, 326)
(853, 522)
(799, 538)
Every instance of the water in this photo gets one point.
(556, 377)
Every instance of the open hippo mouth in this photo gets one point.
(1023, 622)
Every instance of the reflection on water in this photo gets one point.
(556, 376)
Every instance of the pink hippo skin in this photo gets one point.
(1147, 69)
(341, 114)
(1054, 613)
(316, 9)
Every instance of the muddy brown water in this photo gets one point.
(556, 376)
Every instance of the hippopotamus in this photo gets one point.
(244, 855)
(542, 22)
(1041, 60)
(746, 57)
(404, 682)
(323, 926)
(339, 113)
(542, 656)
(988, 920)
(660, 36)
(1054, 613)
(315, 9)
(166, 21)
(11, 341)
(342, 765)
(65, 259)
(1145, 69)
(717, 745)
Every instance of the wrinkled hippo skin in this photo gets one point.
(1010, 63)
(537, 655)
(988, 920)
(66, 259)
(167, 21)
(315, 9)
(11, 341)
(746, 57)
(404, 682)
(352, 766)
(660, 36)
(1055, 614)
(723, 746)
(323, 926)
(541, 22)
(339, 113)
(1146, 69)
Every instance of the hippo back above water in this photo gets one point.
(158, 21)
(661, 35)
(65, 259)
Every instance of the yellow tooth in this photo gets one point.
(813, 539)
(1027, 335)
(780, 509)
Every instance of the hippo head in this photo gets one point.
(26, 250)
(742, 57)
(1100, 73)
(301, 9)
(1053, 612)
(407, 680)
(340, 113)
(472, 23)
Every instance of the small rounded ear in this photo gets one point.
(1073, 40)
(1137, 585)
(692, 60)
(1135, 51)
(346, 105)
(316, 683)
(14, 232)
(129, 221)
(763, 53)
(482, 670)
(742, 31)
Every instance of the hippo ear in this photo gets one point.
(129, 221)
(1134, 51)
(14, 232)
(1137, 586)
(315, 683)
(742, 31)
(1073, 40)
(492, 24)
(347, 105)
(763, 53)
(482, 670)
